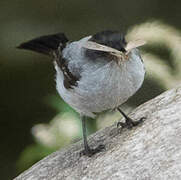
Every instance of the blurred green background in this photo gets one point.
(34, 121)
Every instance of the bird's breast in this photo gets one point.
(104, 86)
(111, 85)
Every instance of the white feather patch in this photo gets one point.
(99, 47)
(134, 44)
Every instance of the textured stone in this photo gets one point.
(149, 151)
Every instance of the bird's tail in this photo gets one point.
(45, 44)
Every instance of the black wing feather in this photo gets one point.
(53, 45)
(45, 44)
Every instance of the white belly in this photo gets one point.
(106, 88)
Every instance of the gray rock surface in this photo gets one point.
(149, 151)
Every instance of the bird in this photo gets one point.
(94, 74)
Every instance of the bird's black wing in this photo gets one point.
(70, 79)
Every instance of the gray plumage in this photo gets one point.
(92, 81)
(103, 84)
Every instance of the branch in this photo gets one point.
(149, 151)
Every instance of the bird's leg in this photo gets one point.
(129, 123)
(84, 131)
(87, 150)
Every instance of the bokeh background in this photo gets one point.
(34, 121)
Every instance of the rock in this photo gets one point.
(151, 150)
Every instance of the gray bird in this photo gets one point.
(95, 74)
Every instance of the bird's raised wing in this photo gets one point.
(134, 44)
(99, 47)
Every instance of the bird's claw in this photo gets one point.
(90, 152)
(129, 124)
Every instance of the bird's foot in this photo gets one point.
(129, 124)
(90, 152)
